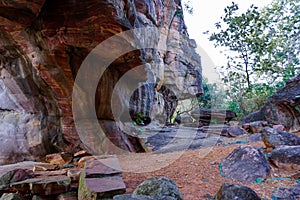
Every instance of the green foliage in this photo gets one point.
(213, 96)
(140, 119)
(262, 49)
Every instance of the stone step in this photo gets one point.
(101, 178)
(102, 167)
(43, 186)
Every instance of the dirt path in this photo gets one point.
(196, 172)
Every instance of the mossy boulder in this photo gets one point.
(159, 187)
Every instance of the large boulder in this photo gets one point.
(273, 138)
(282, 108)
(246, 164)
(286, 157)
(230, 191)
(159, 187)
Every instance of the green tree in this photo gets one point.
(262, 49)
(261, 43)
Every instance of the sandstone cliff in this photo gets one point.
(43, 44)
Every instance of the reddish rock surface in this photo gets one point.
(43, 44)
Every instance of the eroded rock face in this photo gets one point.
(43, 44)
(282, 108)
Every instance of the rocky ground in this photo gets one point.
(197, 172)
(198, 160)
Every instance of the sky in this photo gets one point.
(205, 15)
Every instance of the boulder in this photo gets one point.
(230, 191)
(246, 164)
(141, 197)
(159, 187)
(256, 137)
(282, 108)
(235, 131)
(255, 127)
(274, 138)
(286, 157)
(279, 127)
(287, 194)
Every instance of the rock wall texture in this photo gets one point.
(42, 45)
(282, 108)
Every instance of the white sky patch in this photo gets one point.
(205, 15)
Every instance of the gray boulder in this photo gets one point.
(246, 164)
(230, 191)
(287, 194)
(282, 107)
(235, 131)
(159, 187)
(286, 157)
(140, 197)
(274, 138)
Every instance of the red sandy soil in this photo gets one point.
(196, 172)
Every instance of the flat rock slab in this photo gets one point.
(229, 191)
(286, 157)
(101, 178)
(246, 164)
(107, 184)
(96, 188)
(22, 165)
(44, 186)
(102, 167)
